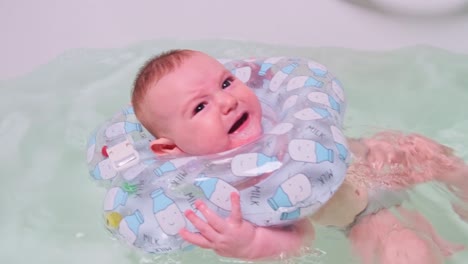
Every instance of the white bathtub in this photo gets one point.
(33, 32)
(52, 212)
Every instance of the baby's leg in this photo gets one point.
(383, 238)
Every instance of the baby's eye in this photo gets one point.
(199, 107)
(227, 83)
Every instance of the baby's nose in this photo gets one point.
(226, 101)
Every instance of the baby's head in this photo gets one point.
(193, 105)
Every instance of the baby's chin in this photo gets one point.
(242, 142)
(233, 142)
(246, 137)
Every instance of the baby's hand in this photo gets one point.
(358, 148)
(230, 237)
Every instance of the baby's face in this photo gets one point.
(203, 108)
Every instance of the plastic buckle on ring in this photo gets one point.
(123, 155)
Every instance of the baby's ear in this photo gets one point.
(164, 146)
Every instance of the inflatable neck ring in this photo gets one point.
(288, 174)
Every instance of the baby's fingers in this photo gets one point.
(203, 227)
(236, 213)
(195, 239)
(214, 221)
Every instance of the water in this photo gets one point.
(51, 209)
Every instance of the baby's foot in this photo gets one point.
(461, 210)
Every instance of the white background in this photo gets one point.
(33, 32)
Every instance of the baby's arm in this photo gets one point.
(394, 160)
(235, 237)
(409, 159)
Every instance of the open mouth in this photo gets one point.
(238, 123)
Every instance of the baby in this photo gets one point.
(194, 106)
